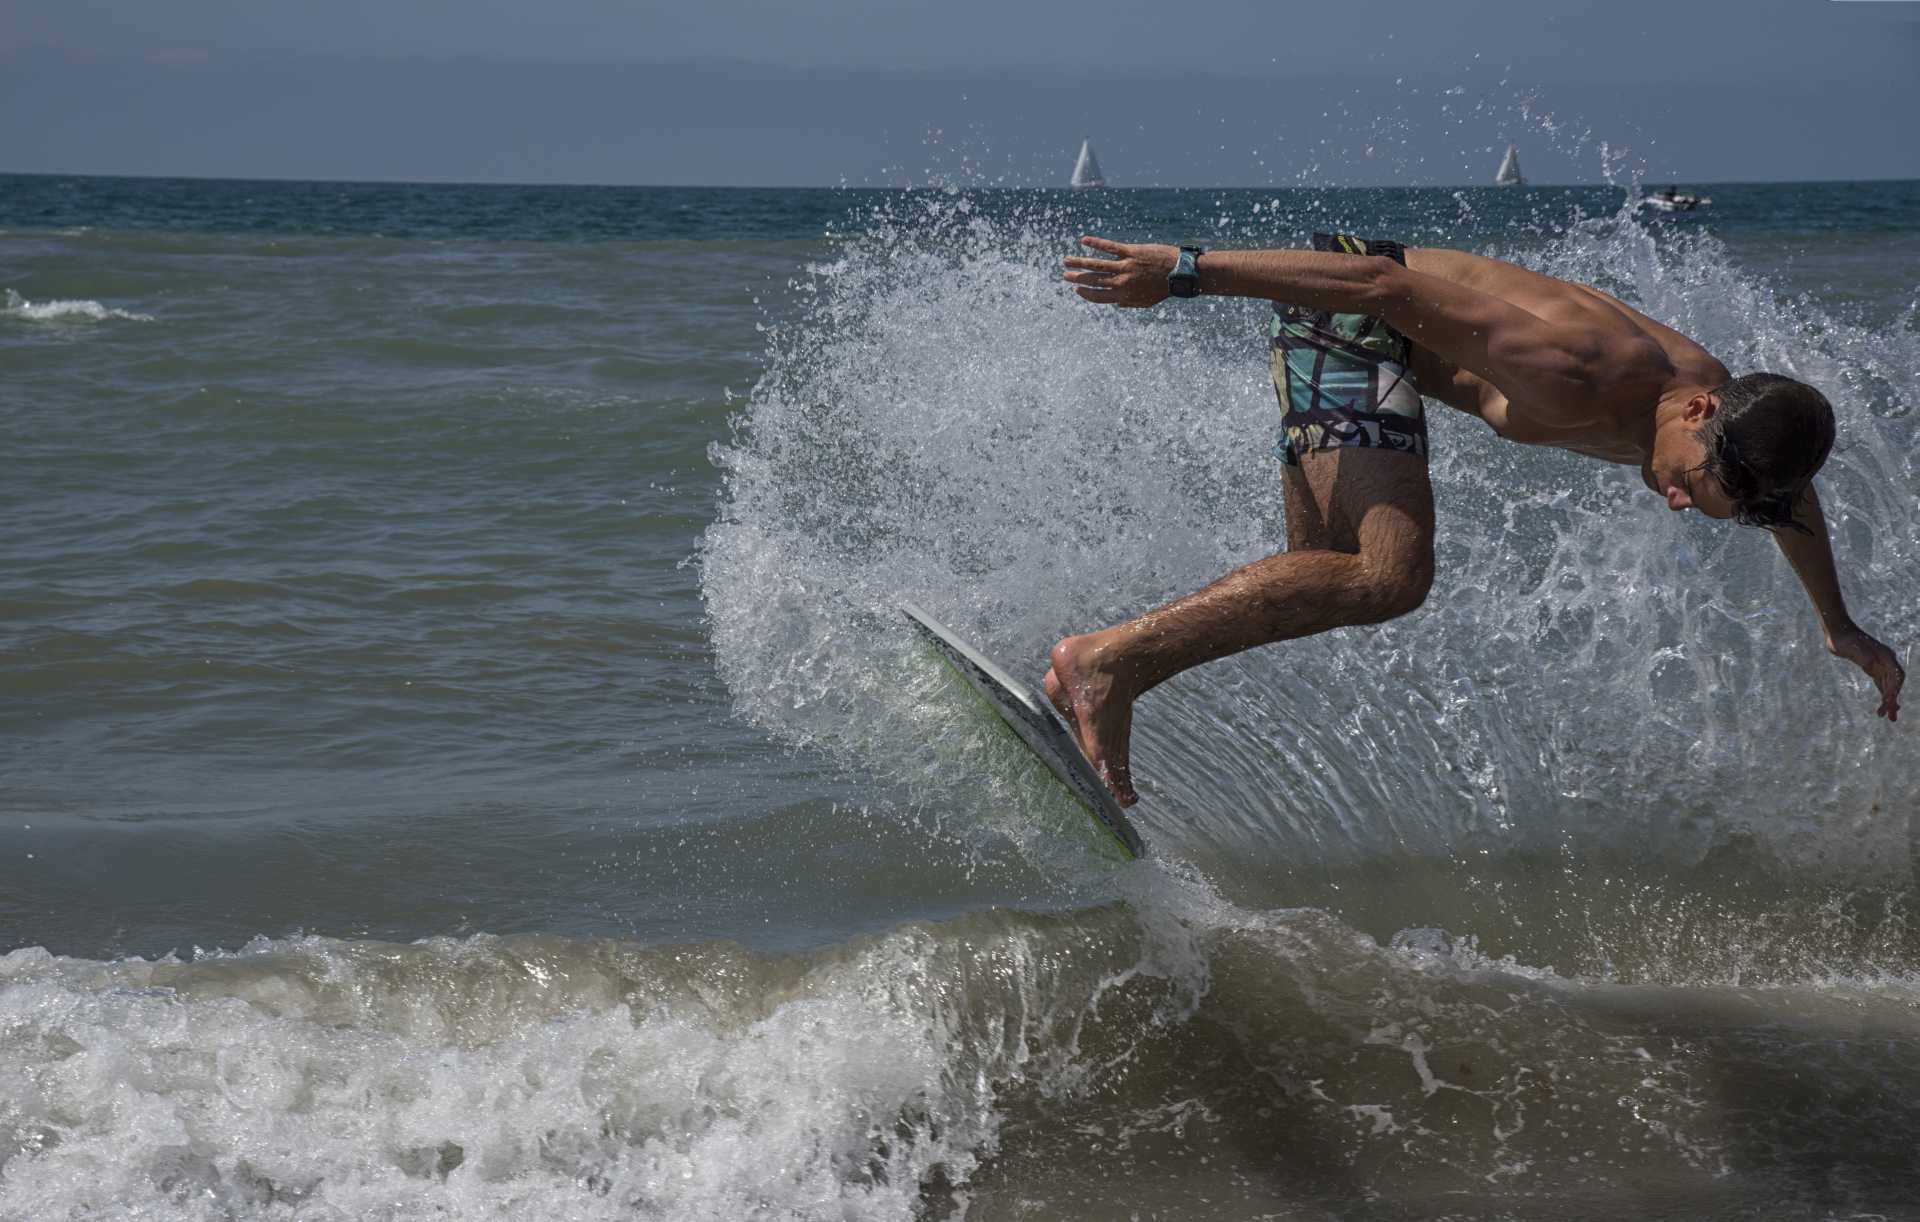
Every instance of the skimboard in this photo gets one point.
(1031, 716)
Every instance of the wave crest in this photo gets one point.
(17, 306)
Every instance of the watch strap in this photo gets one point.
(1184, 279)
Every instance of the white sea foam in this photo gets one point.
(64, 310)
(324, 1080)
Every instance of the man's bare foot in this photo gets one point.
(1089, 692)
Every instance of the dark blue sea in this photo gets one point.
(460, 758)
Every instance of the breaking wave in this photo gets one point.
(56, 310)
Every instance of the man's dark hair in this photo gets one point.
(1769, 436)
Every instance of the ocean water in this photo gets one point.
(459, 756)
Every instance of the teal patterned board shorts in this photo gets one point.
(1344, 379)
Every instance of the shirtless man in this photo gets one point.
(1370, 327)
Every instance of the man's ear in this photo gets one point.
(1701, 408)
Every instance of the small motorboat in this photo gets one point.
(1672, 199)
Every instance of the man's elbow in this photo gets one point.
(1382, 286)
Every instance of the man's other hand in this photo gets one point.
(1135, 276)
(1879, 663)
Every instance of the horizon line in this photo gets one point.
(928, 186)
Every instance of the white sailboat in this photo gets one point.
(1086, 169)
(1509, 173)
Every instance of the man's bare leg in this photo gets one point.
(1360, 533)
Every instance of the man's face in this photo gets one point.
(1698, 490)
(1677, 469)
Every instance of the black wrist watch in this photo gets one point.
(1184, 279)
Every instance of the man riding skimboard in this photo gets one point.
(1361, 330)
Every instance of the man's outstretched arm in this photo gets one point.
(1560, 369)
(1811, 556)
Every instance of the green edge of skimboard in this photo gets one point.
(1033, 720)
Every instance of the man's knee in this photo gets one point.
(1397, 585)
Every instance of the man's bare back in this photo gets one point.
(1542, 361)
(1616, 427)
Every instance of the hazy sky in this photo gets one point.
(1232, 92)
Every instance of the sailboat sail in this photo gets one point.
(1086, 169)
(1509, 172)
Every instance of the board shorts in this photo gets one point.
(1345, 379)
